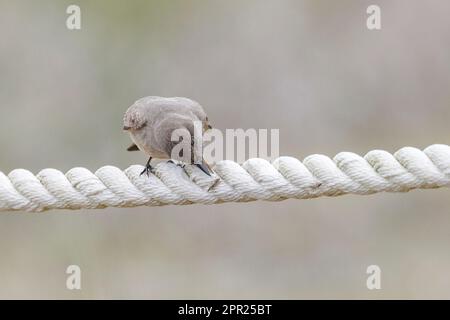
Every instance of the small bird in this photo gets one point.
(151, 120)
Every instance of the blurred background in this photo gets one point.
(310, 68)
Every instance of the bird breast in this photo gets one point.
(139, 138)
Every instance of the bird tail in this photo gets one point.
(204, 167)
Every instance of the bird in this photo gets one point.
(151, 120)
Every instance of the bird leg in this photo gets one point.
(148, 168)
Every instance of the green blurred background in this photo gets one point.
(310, 68)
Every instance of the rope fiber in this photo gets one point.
(256, 179)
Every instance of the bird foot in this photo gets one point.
(178, 164)
(147, 170)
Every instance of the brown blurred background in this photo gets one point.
(310, 68)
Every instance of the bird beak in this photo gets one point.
(125, 128)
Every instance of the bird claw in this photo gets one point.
(178, 164)
(147, 170)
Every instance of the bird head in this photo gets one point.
(134, 119)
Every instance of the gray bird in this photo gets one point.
(150, 122)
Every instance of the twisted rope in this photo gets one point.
(257, 179)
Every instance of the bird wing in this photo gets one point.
(133, 147)
(168, 144)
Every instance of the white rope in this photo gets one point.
(257, 179)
